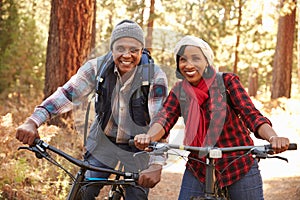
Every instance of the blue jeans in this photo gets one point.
(250, 187)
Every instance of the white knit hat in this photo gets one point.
(195, 41)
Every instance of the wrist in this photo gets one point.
(31, 122)
(272, 137)
(161, 163)
(156, 166)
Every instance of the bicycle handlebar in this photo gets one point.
(292, 146)
(214, 152)
(39, 148)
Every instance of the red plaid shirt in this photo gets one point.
(227, 126)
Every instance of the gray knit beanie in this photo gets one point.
(127, 28)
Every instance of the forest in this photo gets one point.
(44, 42)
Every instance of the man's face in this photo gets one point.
(127, 53)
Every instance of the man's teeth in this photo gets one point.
(191, 73)
(126, 63)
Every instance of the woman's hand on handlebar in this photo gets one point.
(279, 144)
(155, 133)
(27, 132)
(142, 141)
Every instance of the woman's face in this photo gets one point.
(192, 64)
(127, 53)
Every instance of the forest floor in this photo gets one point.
(23, 177)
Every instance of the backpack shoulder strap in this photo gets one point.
(102, 64)
(99, 80)
(223, 90)
(147, 73)
(220, 82)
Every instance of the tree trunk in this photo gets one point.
(93, 39)
(150, 27)
(236, 53)
(283, 60)
(253, 81)
(298, 47)
(69, 41)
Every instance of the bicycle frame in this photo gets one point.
(212, 153)
(40, 148)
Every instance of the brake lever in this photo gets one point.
(264, 155)
(156, 149)
(279, 157)
(38, 153)
(259, 154)
(26, 148)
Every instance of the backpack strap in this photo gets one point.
(100, 67)
(224, 91)
(222, 87)
(147, 74)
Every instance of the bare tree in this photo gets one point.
(283, 59)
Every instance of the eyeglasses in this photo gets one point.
(131, 51)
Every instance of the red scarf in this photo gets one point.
(195, 130)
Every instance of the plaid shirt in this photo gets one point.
(228, 126)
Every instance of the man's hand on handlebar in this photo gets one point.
(142, 141)
(27, 132)
(151, 176)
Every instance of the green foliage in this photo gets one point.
(22, 54)
(9, 21)
(216, 21)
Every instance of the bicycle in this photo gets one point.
(211, 190)
(117, 184)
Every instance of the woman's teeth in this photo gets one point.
(191, 73)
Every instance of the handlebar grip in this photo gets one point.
(131, 142)
(292, 146)
(36, 141)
